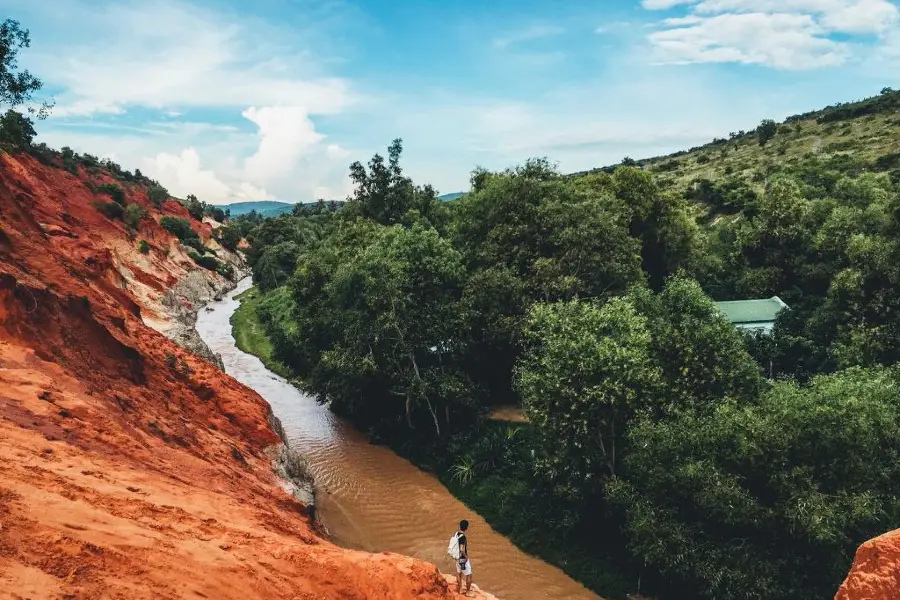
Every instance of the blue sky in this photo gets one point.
(235, 100)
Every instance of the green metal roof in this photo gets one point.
(752, 311)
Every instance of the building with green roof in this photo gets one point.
(758, 315)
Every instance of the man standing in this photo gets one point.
(463, 564)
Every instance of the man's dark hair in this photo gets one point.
(463, 525)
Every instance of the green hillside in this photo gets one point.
(850, 137)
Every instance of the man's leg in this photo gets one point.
(459, 579)
(468, 583)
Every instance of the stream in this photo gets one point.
(368, 497)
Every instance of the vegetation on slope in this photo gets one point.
(249, 334)
(859, 136)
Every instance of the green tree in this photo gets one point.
(16, 130)
(702, 357)
(17, 87)
(586, 372)
(766, 131)
(229, 237)
(385, 194)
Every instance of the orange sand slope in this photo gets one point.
(875, 574)
(128, 467)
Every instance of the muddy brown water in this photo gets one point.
(369, 498)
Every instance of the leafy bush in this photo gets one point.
(112, 210)
(133, 215)
(179, 227)
(16, 130)
(225, 270)
(69, 160)
(193, 206)
(143, 247)
(207, 262)
(703, 159)
(157, 194)
(113, 191)
(194, 243)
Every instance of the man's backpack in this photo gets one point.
(453, 546)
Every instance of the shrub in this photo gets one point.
(194, 243)
(16, 130)
(703, 159)
(193, 206)
(157, 194)
(133, 215)
(225, 270)
(179, 227)
(113, 191)
(766, 131)
(143, 247)
(112, 210)
(69, 160)
(207, 262)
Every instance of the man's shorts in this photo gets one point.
(465, 570)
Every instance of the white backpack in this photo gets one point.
(453, 546)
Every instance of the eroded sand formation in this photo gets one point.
(130, 467)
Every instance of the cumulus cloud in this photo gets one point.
(786, 34)
(285, 134)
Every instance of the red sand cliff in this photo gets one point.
(128, 467)
(875, 574)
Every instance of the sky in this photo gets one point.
(233, 100)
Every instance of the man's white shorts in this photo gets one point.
(467, 571)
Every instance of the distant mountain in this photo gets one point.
(267, 208)
(448, 197)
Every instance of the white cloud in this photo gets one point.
(786, 34)
(787, 41)
(169, 56)
(285, 134)
(334, 151)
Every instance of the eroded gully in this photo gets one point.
(368, 497)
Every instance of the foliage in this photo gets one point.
(113, 191)
(193, 206)
(157, 194)
(143, 247)
(766, 131)
(584, 377)
(17, 87)
(16, 130)
(113, 210)
(385, 195)
(179, 227)
(765, 500)
(133, 215)
(229, 236)
(205, 261)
